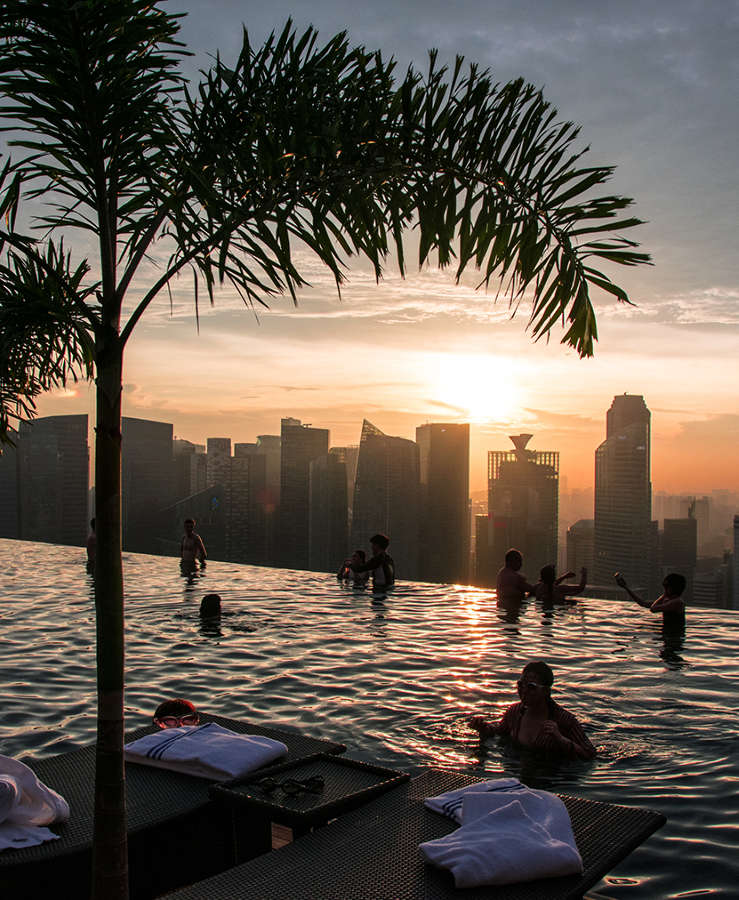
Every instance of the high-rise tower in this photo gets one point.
(444, 475)
(147, 483)
(623, 497)
(523, 504)
(386, 494)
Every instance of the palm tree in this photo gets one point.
(295, 143)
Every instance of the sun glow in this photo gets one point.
(483, 387)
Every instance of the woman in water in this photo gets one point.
(550, 588)
(537, 722)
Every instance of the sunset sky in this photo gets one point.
(654, 86)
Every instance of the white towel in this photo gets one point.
(503, 847)
(26, 804)
(206, 751)
(450, 803)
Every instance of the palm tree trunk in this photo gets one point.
(110, 852)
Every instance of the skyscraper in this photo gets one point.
(300, 445)
(580, 545)
(147, 483)
(9, 488)
(523, 503)
(386, 497)
(219, 460)
(328, 537)
(623, 497)
(444, 476)
(53, 477)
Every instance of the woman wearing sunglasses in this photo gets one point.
(537, 722)
(174, 713)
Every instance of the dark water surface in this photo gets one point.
(395, 680)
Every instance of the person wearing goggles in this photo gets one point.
(175, 713)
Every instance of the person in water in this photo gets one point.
(173, 713)
(550, 588)
(210, 606)
(380, 564)
(537, 722)
(345, 572)
(670, 603)
(511, 586)
(192, 547)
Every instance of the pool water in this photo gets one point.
(396, 679)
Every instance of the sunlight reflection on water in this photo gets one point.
(395, 679)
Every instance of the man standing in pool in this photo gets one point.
(192, 547)
(670, 604)
(380, 564)
(511, 586)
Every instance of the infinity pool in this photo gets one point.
(395, 680)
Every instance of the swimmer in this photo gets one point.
(173, 713)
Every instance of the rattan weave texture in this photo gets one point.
(154, 795)
(372, 854)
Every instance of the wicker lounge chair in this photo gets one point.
(176, 832)
(372, 854)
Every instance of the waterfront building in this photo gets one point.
(218, 460)
(386, 497)
(679, 549)
(190, 464)
(300, 445)
(581, 546)
(624, 534)
(265, 496)
(245, 509)
(9, 512)
(523, 502)
(53, 479)
(147, 483)
(328, 537)
(444, 477)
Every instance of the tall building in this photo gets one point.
(523, 504)
(299, 446)
(735, 578)
(386, 497)
(147, 483)
(623, 497)
(53, 478)
(679, 550)
(266, 495)
(444, 477)
(581, 545)
(219, 460)
(245, 511)
(328, 538)
(190, 463)
(9, 512)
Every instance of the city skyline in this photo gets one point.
(656, 103)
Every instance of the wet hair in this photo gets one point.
(675, 583)
(547, 575)
(361, 554)
(175, 707)
(513, 556)
(381, 540)
(542, 670)
(210, 605)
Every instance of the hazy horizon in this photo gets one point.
(653, 88)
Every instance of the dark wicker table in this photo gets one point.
(372, 854)
(346, 784)
(176, 832)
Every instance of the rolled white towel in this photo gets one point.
(450, 803)
(502, 847)
(26, 804)
(206, 751)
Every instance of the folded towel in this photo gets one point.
(206, 751)
(26, 804)
(450, 803)
(502, 847)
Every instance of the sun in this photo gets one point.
(484, 387)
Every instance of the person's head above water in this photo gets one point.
(176, 712)
(359, 556)
(547, 574)
(674, 584)
(514, 559)
(210, 605)
(189, 524)
(381, 541)
(535, 683)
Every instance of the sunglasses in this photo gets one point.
(291, 786)
(176, 721)
(533, 685)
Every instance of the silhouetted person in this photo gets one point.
(537, 722)
(346, 573)
(210, 606)
(380, 564)
(92, 544)
(511, 586)
(192, 548)
(550, 588)
(670, 603)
